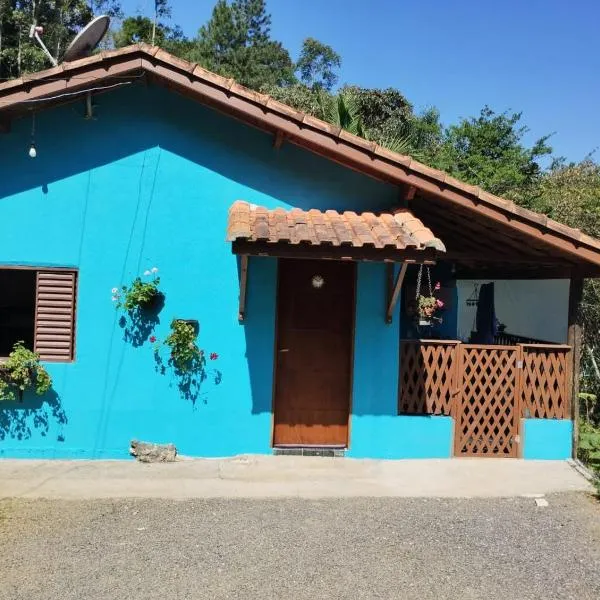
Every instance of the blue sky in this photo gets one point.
(541, 57)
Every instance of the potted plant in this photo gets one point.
(185, 354)
(140, 295)
(22, 371)
(428, 306)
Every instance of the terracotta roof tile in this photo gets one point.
(296, 226)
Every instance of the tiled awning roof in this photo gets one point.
(398, 231)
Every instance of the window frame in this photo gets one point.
(50, 269)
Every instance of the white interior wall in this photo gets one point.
(535, 309)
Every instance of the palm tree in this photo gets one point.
(342, 110)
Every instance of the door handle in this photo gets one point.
(284, 350)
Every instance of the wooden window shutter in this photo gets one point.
(55, 315)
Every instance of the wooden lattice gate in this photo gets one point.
(487, 389)
(487, 413)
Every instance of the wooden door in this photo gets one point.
(314, 352)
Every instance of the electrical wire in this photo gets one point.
(68, 94)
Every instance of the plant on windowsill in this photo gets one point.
(140, 295)
(22, 371)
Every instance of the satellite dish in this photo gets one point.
(87, 39)
(83, 44)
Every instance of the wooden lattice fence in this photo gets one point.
(427, 377)
(486, 388)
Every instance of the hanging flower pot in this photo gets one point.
(427, 305)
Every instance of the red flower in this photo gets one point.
(214, 356)
(152, 339)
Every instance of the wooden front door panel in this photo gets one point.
(314, 352)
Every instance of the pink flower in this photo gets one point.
(439, 303)
(213, 356)
(152, 339)
(437, 286)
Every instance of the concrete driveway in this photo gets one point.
(287, 477)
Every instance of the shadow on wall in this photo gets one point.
(259, 330)
(236, 151)
(19, 420)
(139, 324)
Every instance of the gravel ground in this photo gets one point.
(301, 549)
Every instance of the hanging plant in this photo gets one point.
(428, 305)
(185, 354)
(141, 295)
(22, 371)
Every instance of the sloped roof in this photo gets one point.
(398, 231)
(299, 128)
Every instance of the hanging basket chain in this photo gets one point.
(419, 278)
(429, 282)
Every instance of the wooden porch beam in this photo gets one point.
(427, 256)
(243, 286)
(574, 339)
(394, 289)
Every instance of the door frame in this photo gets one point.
(352, 347)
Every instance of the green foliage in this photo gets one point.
(589, 445)
(61, 20)
(139, 295)
(318, 64)
(186, 356)
(22, 371)
(570, 194)
(236, 43)
(488, 151)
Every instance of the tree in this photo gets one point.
(236, 43)
(570, 193)
(317, 64)
(488, 151)
(61, 20)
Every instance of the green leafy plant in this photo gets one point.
(185, 353)
(428, 306)
(589, 445)
(140, 294)
(22, 371)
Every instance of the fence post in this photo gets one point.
(519, 397)
(574, 340)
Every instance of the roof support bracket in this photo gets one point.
(278, 140)
(243, 286)
(393, 289)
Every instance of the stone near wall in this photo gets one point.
(148, 452)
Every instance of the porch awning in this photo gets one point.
(256, 230)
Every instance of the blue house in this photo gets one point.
(302, 257)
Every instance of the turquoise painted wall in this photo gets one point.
(149, 184)
(547, 439)
(376, 430)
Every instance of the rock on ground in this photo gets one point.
(147, 452)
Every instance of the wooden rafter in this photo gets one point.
(393, 289)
